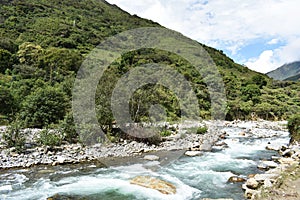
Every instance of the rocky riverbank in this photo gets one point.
(77, 153)
(281, 179)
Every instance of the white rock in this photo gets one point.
(61, 159)
(151, 157)
(6, 188)
(287, 161)
(268, 183)
(263, 177)
(270, 164)
(252, 183)
(193, 153)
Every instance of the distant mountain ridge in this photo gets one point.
(290, 71)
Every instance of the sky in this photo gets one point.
(260, 34)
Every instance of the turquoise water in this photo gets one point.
(194, 178)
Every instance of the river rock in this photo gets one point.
(262, 166)
(270, 164)
(288, 153)
(151, 157)
(236, 179)
(215, 199)
(287, 161)
(273, 147)
(263, 177)
(154, 183)
(252, 183)
(206, 146)
(251, 194)
(267, 183)
(193, 153)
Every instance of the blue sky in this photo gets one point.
(261, 34)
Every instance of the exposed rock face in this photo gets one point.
(154, 183)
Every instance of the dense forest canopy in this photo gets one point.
(43, 43)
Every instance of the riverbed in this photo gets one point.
(199, 177)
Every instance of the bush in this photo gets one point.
(67, 128)
(49, 138)
(202, 130)
(14, 136)
(166, 133)
(294, 128)
(44, 106)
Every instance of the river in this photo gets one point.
(194, 177)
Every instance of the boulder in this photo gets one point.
(287, 161)
(252, 183)
(251, 194)
(288, 153)
(236, 179)
(206, 146)
(151, 157)
(216, 199)
(262, 166)
(273, 147)
(193, 153)
(270, 164)
(154, 183)
(267, 183)
(263, 177)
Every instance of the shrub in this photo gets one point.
(294, 128)
(165, 133)
(49, 138)
(202, 130)
(44, 106)
(67, 128)
(14, 136)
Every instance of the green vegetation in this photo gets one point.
(294, 128)
(202, 130)
(42, 46)
(49, 138)
(14, 136)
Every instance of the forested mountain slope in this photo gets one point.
(43, 43)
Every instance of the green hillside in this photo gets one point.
(43, 44)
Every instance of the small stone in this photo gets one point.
(236, 179)
(151, 157)
(193, 153)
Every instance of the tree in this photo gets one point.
(7, 103)
(44, 106)
(294, 128)
(251, 92)
(6, 60)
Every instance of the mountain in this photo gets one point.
(43, 44)
(288, 71)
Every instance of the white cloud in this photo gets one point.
(263, 63)
(273, 41)
(271, 59)
(228, 25)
